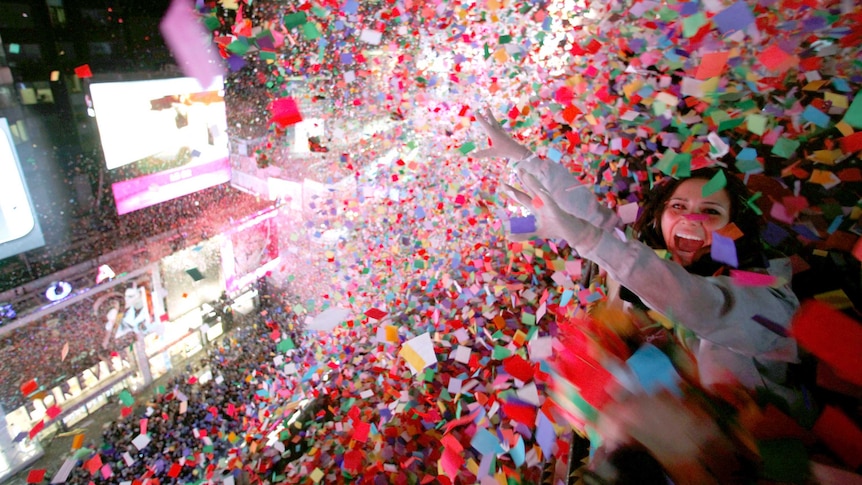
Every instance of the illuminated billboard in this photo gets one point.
(162, 139)
(249, 251)
(192, 277)
(19, 225)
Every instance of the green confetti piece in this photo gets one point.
(675, 164)
(693, 23)
(467, 148)
(212, 22)
(320, 11)
(505, 39)
(730, 124)
(785, 147)
(716, 183)
(285, 345)
(295, 19)
(238, 47)
(667, 14)
(309, 30)
(756, 123)
(500, 352)
(853, 116)
(126, 398)
(748, 166)
(528, 319)
(751, 203)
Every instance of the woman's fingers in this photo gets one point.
(532, 183)
(485, 153)
(523, 198)
(491, 119)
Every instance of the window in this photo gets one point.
(35, 93)
(100, 49)
(57, 13)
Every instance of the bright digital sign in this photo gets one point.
(162, 139)
(19, 225)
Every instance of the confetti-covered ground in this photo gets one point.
(425, 337)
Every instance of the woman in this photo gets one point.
(647, 437)
(731, 344)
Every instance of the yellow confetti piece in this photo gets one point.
(392, 333)
(663, 320)
(836, 299)
(826, 157)
(844, 128)
(230, 4)
(519, 338)
(631, 88)
(837, 100)
(78, 441)
(316, 475)
(412, 357)
(815, 85)
(501, 55)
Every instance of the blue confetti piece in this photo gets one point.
(836, 223)
(773, 234)
(841, 85)
(654, 370)
(733, 18)
(816, 116)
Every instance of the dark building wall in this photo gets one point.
(42, 42)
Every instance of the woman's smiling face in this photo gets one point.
(689, 218)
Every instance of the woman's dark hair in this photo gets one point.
(749, 247)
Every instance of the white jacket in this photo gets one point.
(732, 345)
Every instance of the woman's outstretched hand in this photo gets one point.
(502, 144)
(551, 220)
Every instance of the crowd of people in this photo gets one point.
(199, 420)
(55, 350)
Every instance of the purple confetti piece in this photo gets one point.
(771, 326)
(723, 250)
(522, 225)
(189, 42)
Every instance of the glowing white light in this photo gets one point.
(58, 290)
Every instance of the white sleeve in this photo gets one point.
(714, 308)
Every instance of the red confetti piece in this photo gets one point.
(84, 71)
(36, 476)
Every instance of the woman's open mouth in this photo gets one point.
(687, 243)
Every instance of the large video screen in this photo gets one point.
(162, 139)
(249, 251)
(19, 224)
